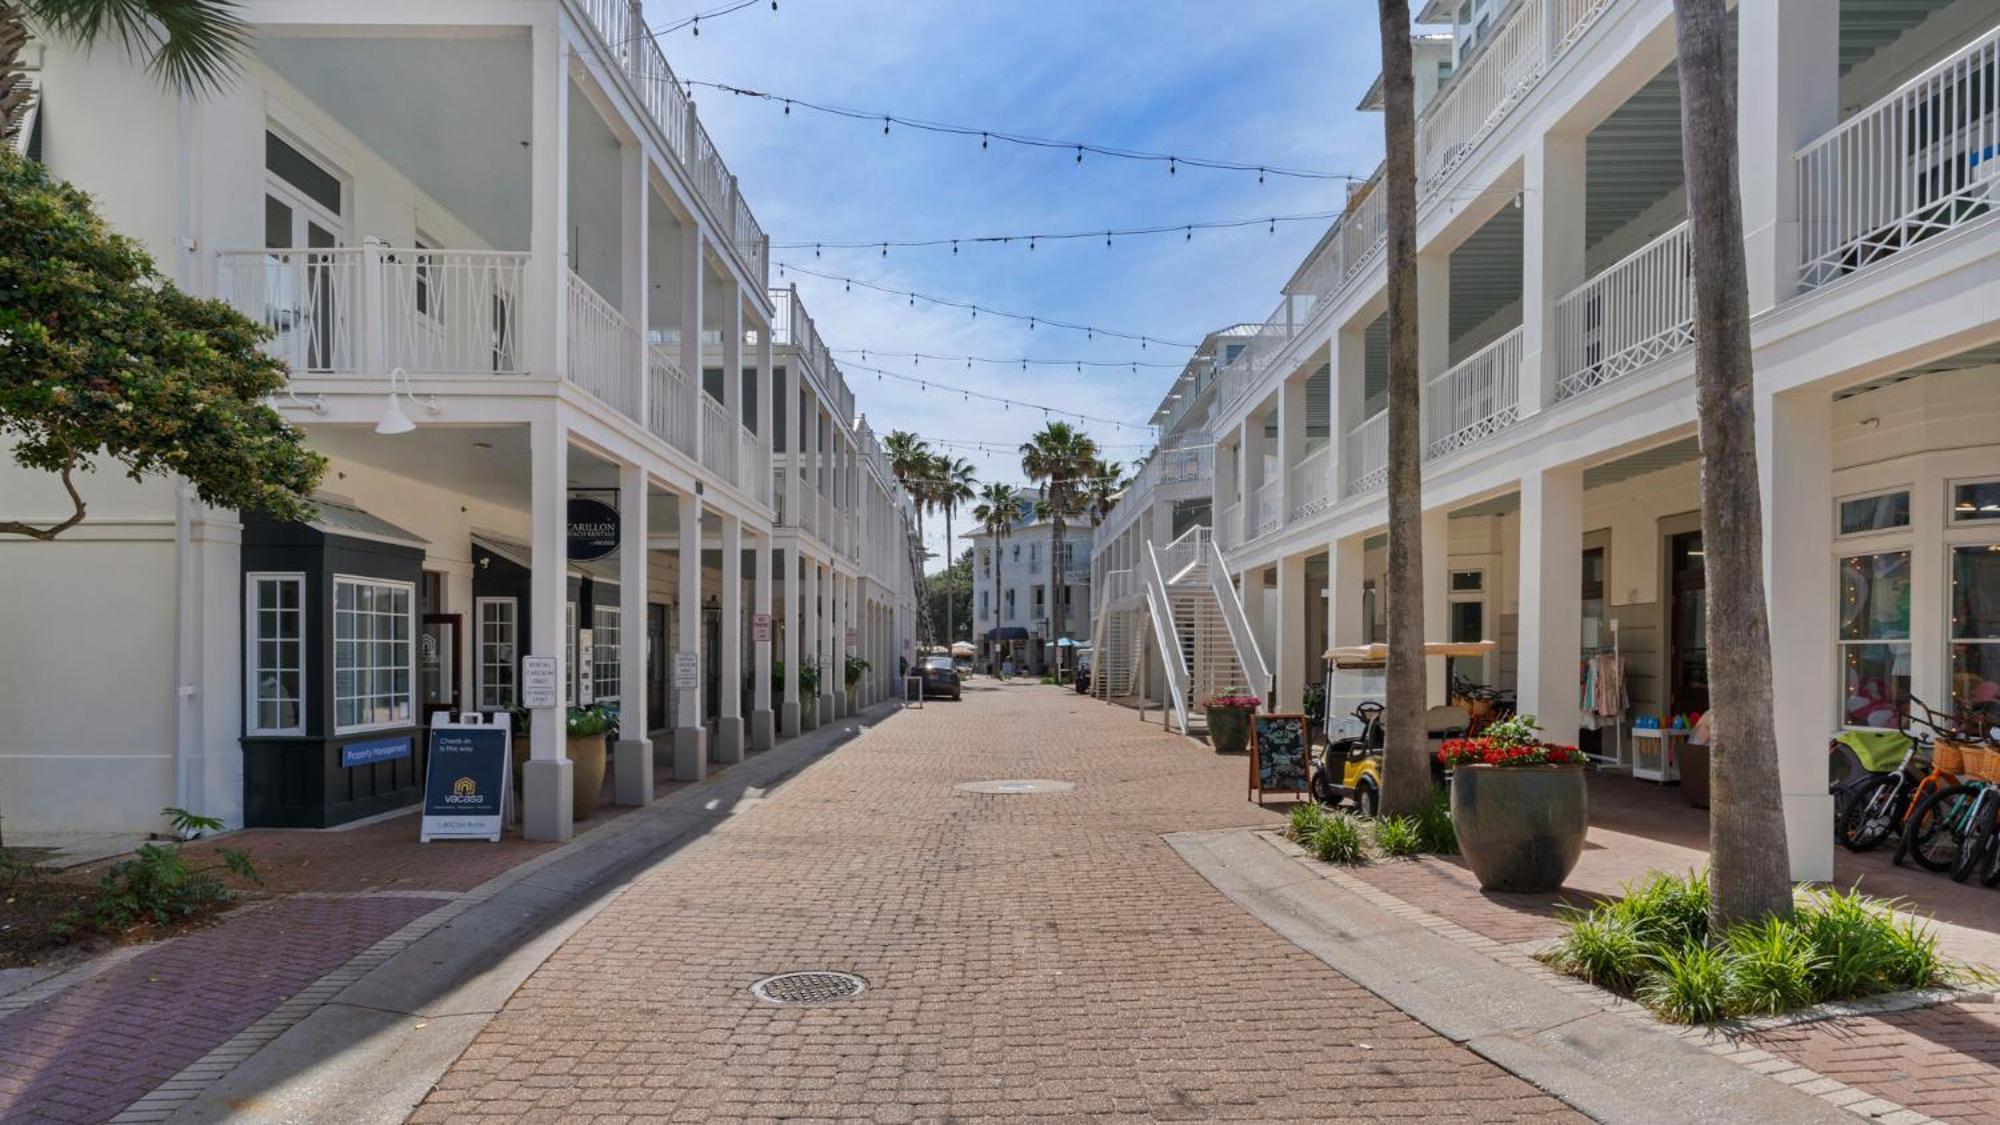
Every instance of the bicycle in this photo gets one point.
(1946, 813)
(1870, 802)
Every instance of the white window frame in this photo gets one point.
(570, 664)
(480, 663)
(1841, 644)
(409, 643)
(1951, 638)
(1951, 516)
(606, 621)
(1848, 537)
(253, 635)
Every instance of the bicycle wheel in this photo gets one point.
(1978, 841)
(1869, 814)
(1932, 834)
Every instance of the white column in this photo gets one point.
(548, 215)
(547, 778)
(1552, 263)
(843, 620)
(1349, 387)
(1437, 598)
(1433, 335)
(1291, 660)
(766, 365)
(1788, 94)
(1291, 439)
(809, 452)
(1344, 623)
(1251, 440)
(763, 727)
(794, 415)
(1551, 622)
(634, 256)
(829, 666)
(632, 781)
(728, 747)
(690, 738)
(1801, 584)
(788, 612)
(1227, 483)
(811, 709)
(692, 270)
(732, 374)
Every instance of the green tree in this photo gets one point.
(1100, 490)
(910, 462)
(996, 512)
(952, 477)
(103, 359)
(950, 592)
(189, 45)
(1060, 459)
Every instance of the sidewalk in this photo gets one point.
(145, 1031)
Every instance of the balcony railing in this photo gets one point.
(1477, 398)
(1229, 525)
(1921, 161)
(1311, 492)
(1637, 312)
(718, 438)
(1266, 508)
(1493, 81)
(371, 308)
(603, 349)
(753, 476)
(670, 400)
(1366, 455)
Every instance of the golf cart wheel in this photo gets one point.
(1366, 800)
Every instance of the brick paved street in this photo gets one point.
(1029, 956)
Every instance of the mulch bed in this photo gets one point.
(31, 907)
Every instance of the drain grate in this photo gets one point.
(818, 986)
(1016, 785)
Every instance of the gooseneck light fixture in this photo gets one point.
(394, 420)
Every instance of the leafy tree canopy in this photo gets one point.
(101, 357)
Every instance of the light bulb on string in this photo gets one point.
(788, 107)
(885, 126)
(1079, 154)
(1171, 163)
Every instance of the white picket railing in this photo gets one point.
(310, 300)
(1919, 162)
(454, 311)
(1185, 458)
(718, 438)
(1266, 508)
(1477, 398)
(1229, 525)
(1481, 92)
(1311, 492)
(1366, 455)
(1184, 552)
(1636, 312)
(603, 349)
(670, 404)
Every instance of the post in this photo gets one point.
(829, 673)
(1433, 335)
(548, 237)
(788, 714)
(634, 278)
(690, 738)
(763, 729)
(728, 747)
(732, 375)
(1345, 623)
(1788, 94)
(632, 780)
(763, 423)
(1291, 440)
(1551, 612)
(548, 776)
(1291, 660)
(810, 713)
(1437, 598)
(1552, 263)
(1349, 389)
(692, 268)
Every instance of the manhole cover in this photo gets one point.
(815, 987)
(1024, 785)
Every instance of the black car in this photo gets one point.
(940, 677)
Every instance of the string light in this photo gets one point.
(694, 21)
(1005, 361)
(1090, 331)
(1173, 161)
(967, 393)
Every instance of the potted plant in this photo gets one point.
(856, 668)
(588, 728)
(1229, 721)
(809, 693)
(1520, 806)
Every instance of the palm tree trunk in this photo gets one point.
(948, 634)
(1055, 593)
(1750, 868)
(1406, 774)
(996, 604)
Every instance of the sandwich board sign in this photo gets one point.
(1279, 762)
(466, 780)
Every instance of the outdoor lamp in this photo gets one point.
(394, 421)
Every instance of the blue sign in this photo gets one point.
(465, 781)
(593, 529)
(381, 750)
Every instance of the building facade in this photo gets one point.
(527, 315)
(1015, 581)
(1561, 493)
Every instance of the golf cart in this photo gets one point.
(1350, 765)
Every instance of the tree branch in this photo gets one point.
(45, 534)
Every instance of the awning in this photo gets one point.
(1007, 633)
(337, 517)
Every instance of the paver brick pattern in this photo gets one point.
(1034, 956)
(95, 1048)
(1942, 1061)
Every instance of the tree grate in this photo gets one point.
(816, 986)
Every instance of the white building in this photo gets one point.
(1015, 581)
(505, 223)
(1560, 482)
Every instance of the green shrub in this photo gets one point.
(1689, 985)
(1666, 909)
(1306, 819)
(1774, 965)
(1602, 947)
(1339, 839)
(1399, 836)
(158, 883)
(1435, 830)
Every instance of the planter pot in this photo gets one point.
(1228, 729)
(586, 754)
(1694, 775)
(1520, 829)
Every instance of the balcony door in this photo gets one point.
(304, 276)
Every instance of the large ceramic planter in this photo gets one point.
(1228, 729)
(586, 755)
(1520, 828)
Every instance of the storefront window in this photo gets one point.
(372, 653)
(1975, 629)
(1975, 501)
(604, 666)
(570, 665)
(1883, 512)
(1875, 638)
(277, 653)
(498, 622)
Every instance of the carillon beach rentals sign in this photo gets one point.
(466, 781)
(593, 529)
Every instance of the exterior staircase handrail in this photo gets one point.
(1238, 624)
(1161, 613)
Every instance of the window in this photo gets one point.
(1468, 581)
(1041, 603)
(276, 645)
(604, 662)
(1010, 605)
(1017, 552)
(1975, 501)
(569, 648)
(373, 655)
(498, 623)
(982, 605)
(1874, 638)
(1975, 629)
(1881, 512)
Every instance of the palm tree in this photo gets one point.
(1059, 459)
(1100, 491)
(911, 463)
(996, 513)
(191, 46)
(1750, 868)
(953, 477)
(1406, 775)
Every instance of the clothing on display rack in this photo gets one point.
(1604, 685)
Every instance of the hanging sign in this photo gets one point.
(760, 629)
(593, 529)
(1278, 758)
(466, 779)
(538, 681)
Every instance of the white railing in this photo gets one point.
(1166, 636)
(1184, 552)
(670, 402)
(1229, 525)
(1481, 92)
(310, 300)
(718, 438)
(1190, 463)
(754, 478)
(1241, 637)
(778, 472)
(603, 349)
(1311, 492)
(452, 311)
(1265, 516)
(1632, 314)
(1917, 163)
(1477, 398)
(1366, 455)
(1118, 586)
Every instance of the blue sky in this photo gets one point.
(1267, 81)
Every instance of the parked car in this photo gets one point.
(940, 677)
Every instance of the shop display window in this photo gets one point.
(1885, 511)
(1875, 638)
(374, 667)
(1975, 629)
(277, 653)
(604, 659)
(497, 624)
(1975, 501)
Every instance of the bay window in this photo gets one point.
(275, 639)
(1874, 639)
(374, 665)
